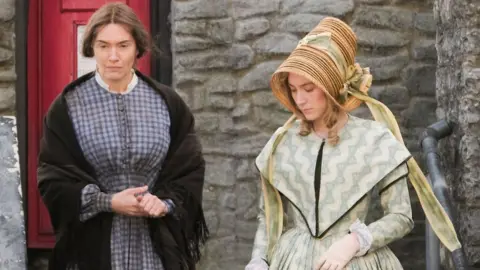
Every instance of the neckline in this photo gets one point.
(106, 87)
(350, 118)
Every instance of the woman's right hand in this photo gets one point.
(257, 264)
(126, 203)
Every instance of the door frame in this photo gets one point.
(27, 60)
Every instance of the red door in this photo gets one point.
(54, 35)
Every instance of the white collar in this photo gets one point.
(105, 86)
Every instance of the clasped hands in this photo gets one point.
(138, 202)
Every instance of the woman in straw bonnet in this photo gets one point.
(323, 166)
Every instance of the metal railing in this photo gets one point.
(429, 142)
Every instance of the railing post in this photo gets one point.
(432, 245)
(429, 141)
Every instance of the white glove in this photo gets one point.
(339, 254)
(257, 264)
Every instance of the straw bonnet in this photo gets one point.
(325, 56)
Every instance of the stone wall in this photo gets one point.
(7, 47)
(224, 53)
(458, 92)
(12, 227)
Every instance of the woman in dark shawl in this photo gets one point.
(120, 167)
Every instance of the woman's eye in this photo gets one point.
(309, 89)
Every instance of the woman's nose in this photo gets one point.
(301, 98)
(113, 55)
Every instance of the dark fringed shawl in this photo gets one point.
(63, 172)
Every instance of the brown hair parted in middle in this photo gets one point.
(329, 117)
(118, 13)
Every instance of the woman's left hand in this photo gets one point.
(152, 205)
(339, 254)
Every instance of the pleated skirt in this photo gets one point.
(298, 250)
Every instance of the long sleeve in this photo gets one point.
(94, 201)
(397, 217)
(260, 242)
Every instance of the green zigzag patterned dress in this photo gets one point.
(327, 188)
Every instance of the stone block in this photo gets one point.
(420, 79)
(250, 28)
(200, 9)
(425, 22)
(299, 23)
(337, 8)
(393, 96)
(393, 18)
(420, 113)
(238, 56)
(7, 98)
(387, 67)
(424, 49)
(246, 169)
(264, 98)
(197, 97)
(221, 102)
(449, 50)
(247, 198)
(226, 225)
(472, 39)
(209, 198)
(190, 27)
(219, 171)
(463, 14)
(471, 78)
(8, 10)
(188, 80)
(372, 2)
(242, 56)
(245, 128)
(275, 43)
(8, 75)
(270, 118)
(191, 43)
(250, 146)
(221, 83)
(242, 109)
(212, 122)
(228, 201)
(378, 38)
(12, 227)
(216, 143)
(5, 55)
(246, 229)
(222, 249)
(7, 34)
(468, 189)
(258, 76)
(221, 31)
(206, 33)
(249, 8)
(469, 226)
